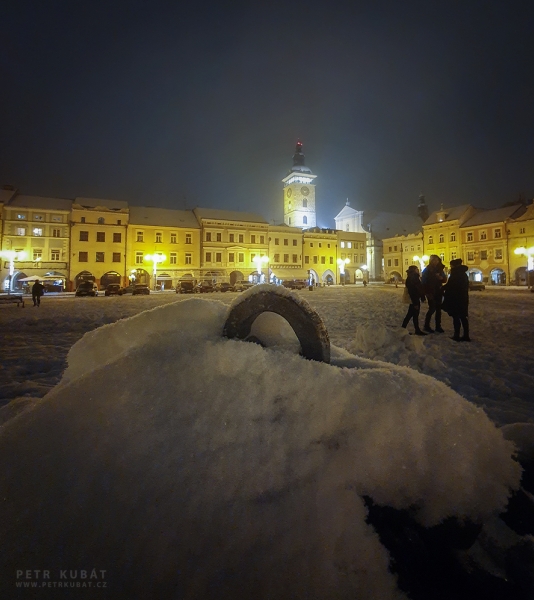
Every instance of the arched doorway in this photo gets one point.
(394, 277)
(110, 277)
(54, 281)
(328, 277)
(163, 281)
(475, 275)
(347, 277)
(83, 276)
(313, 277)
(140, 276)
(498, 277)
(236, 276)
(16, 284)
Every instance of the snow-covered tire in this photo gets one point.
(306, 323)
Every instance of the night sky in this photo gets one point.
(179, 105)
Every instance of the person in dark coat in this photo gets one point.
(415, 291)
(37, 292)
(456, 300)
(433, 278)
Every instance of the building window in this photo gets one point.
(208, 236)
(453, 237)
(117, 238)
(84, 236)
(483, 235)
(241, 257)
(497, 234)
(294, 257)
(343, 256)
(405, 261)
(56, 232)
(286, 258)
(470, 236)
(208, 257)
(389, 262)
(323, 260)
(188, 258)
(101, 220)
(116, 257)
(430, 239)
(20, 231)
(441, 238)
(470, 257)
(231, 257)
(232, 238)
(57, 219)
(173, 258)
(100, 236)
(218, 257)
(396, 262)
(99, 257)
(305, 205)
(82, 219)
(286, 242)
(21, 216)
(304, 220)
(38, 217)
(307, 260)
(331, 260)
(315, 260)
(159, 237)
(342, 245)
(140, 236)
(276, 241)
(188, 238)
(262, 239)
(54, 254)
(173, 238)
(252, 257)
(252, 239)
(442, 256)
(277, 258)
(37, 255)
(483, 255)
(453, 255)
(522, 230)
(83, 256)
(119, 222)
(347, 227)
(241, 238)
(289, 220)
(498, 253)
(295, 242)
(138, 258)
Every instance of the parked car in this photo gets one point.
(241, 286)
(223, 286)
(295, 284)
(476, 286)
(113, 289)
(203, 287)
(186, 286)
(86, 288)
(128, 289)
(140, 289)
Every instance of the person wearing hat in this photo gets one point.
(456, 300)
(433, 277)
(414, 290)
(37, 292)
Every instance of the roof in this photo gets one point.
(227, 215)
(496, 215)
(40, 203)
(452, 214)
(159, 217)
(101, 203)
(347, 211)
(386, 224)
(5, 195)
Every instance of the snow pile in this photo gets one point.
(189, 465)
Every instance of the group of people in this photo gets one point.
(450, 295)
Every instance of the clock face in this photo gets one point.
(305, 191)
(289, 192)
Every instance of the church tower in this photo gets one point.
(299, 193)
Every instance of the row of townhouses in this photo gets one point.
(66, 241)
(497, 245)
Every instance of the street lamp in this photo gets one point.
(133, 276)
(421, 260)
(258, 260)
(529, 254)
(12, 256)
(341, 263)
(365, 270)
(156, 258)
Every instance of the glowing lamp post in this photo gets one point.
(12, 256)
(421, 260)
(258, 260)
(341, 263)
(156, 258)
(529, 254)
(365, 270)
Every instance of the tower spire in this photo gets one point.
(422, 208)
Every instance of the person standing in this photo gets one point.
(414, 290)
(456, 300)
(433, 278)
(37, 292)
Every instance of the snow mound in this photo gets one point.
(189, 465)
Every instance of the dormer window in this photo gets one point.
(101, 220)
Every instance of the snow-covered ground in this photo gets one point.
(176, 463)
(495, 371)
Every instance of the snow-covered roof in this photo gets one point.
(496, 215)
(227, 215)
(386, 224)
(101, 203)
(450, 214)
(145, 215)
(41, 203)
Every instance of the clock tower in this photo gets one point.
(299, 193)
